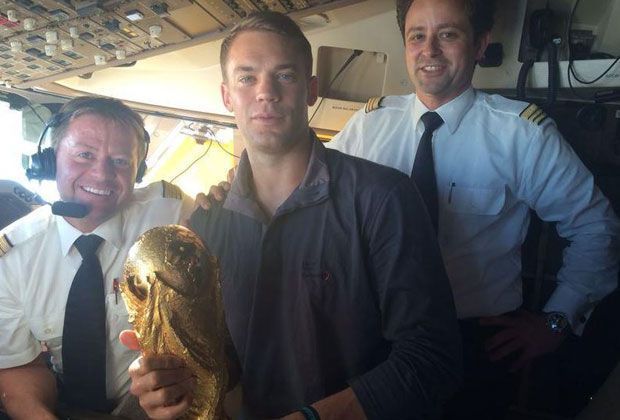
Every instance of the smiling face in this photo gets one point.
(268, 89)
(440, 50)
(96, 163)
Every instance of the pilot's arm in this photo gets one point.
(28, 391)
(27, 386)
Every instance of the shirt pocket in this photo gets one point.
(117, 316)
(476, 200)
(115, 305)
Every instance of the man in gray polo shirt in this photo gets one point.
(334, 289)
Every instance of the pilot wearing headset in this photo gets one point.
(99, 146)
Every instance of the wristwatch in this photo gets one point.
(557, 322)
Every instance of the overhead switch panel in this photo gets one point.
(48, 40)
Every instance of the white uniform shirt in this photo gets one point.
(492, 166)
(37, 272)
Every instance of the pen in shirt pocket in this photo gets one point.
(115, 288)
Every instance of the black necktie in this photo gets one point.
(423, 173)
(84, 334)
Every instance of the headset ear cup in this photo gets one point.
(47, 161)
(49, 156)
(43, 165)
(141, 171)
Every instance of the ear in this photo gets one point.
(482, 45)
(313, 90)
(226, 97)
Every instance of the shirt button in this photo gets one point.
(47, 330)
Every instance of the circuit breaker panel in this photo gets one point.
(46, 40)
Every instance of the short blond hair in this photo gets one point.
(269, 21)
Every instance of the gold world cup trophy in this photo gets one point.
(171, 288)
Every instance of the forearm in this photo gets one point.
(340, 406)
(584, 217)
(28, 391)
(414, 382)
(588, 274)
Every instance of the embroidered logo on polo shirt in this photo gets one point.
(312, 270)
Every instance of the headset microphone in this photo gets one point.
(70, 209)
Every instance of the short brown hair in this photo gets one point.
(269, 21)
(108, 108)
(481, 15)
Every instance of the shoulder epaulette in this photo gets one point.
(172, 191)
(533, 114)
(373, 104)
(5, 245)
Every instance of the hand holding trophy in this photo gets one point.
(171, 287)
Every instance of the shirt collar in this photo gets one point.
(452, 112)
(317, 172)
(313, 187)
(240, 198)
(111, 231)
(67, 233)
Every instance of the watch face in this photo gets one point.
(557, 322)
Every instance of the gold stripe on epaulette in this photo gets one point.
(172, 191)
(540, 119)
(373, 104)
(534, 114)
(528, 111)
(5, 245)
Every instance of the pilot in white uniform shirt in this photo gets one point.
(37, 266)
(495, 159)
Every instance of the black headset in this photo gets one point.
(43, 163)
